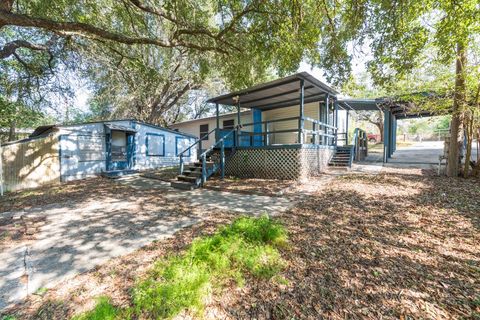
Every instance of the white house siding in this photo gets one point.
(82, 151)
(193, 127)
(143, 161)
(83, 148)
(310, 110)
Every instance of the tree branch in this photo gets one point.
(10, 48)
(92, 32)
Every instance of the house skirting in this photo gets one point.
(284, 162)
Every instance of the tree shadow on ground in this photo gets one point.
(405, 245)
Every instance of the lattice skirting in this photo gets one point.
(278, 163)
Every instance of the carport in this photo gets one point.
(392, 110)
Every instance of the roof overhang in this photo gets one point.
(362, 104)
(116, 127)
(279, 93)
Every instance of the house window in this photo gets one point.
(228, 124)
(155, 144)
(204, 131)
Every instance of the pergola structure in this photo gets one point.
(393, 110)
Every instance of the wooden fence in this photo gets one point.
(31, 163)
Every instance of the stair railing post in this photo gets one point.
(222, 159)
(204, 168)
(181, 164)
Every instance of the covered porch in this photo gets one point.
(294, 131)
(295, 110)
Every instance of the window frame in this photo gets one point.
(229, 127)
(147, 136)
(204, 132)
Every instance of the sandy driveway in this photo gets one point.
(78, 235)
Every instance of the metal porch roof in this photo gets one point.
(279, 93)
(362, 104)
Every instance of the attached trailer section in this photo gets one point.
(66, 153)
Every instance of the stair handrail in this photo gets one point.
(203, 156)
(199, 142)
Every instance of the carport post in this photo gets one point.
(386, 135)
(394, 134)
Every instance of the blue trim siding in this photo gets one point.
(257, 127)
(147, 135)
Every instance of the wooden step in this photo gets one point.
(208, 163)
(190, 179)
(333, 164)
(183, 185)
(196, 173)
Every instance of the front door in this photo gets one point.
(121, 145)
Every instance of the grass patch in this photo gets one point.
(104, 310)
(184, 282)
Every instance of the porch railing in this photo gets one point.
(321, 133)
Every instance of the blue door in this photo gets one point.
(119, 150)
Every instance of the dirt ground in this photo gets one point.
(401, 244)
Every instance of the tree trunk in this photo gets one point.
(11, 133)
(456, 128)
(380, 128)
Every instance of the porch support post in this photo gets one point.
(239, 122)
(319, 138)
(301, 122)
(346, 128)
(335, 119)
(325, 118)
(217, 113)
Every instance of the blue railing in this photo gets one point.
(203, 157)
(222, 143)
